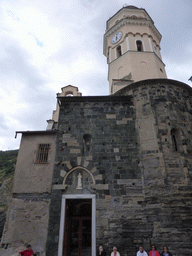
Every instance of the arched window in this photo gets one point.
(87, 144)
(175, 139)
(139, 46)
(119, 52)
(69, 93)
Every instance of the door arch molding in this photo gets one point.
(74, 169)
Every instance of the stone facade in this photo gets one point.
(164, 106)
(120, 164)
(142, 176)
(133, 153)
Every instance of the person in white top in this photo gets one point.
(141, 252)
(115, 252)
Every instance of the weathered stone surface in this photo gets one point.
(26, 224)
(143, 183)
(139, 172)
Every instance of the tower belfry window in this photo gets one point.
(119, 52)
(139, 46)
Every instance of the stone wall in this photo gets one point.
(161, 107)
(140, 158)
(113, 156)
(133, 151)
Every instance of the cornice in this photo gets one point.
(44, 132)
(92, 99)
(153, 82)
(134, 21)
(130, 10)
(130, 21)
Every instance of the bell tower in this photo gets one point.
(132, 48)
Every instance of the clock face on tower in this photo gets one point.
(116, 37)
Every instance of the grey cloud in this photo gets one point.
(39, 107)
(82, 28)
(94, 84)
(174, 21)
(16, 64)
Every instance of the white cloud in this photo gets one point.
(46, 45)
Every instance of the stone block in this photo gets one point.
(119, 122)
(94, 169)
(59, 187)
(102, 186)
(86, 163)
(68, 165)
(99, 177)
(62, 173)
(89, 158)
(108, 197)
(110, 116)
(75, 151)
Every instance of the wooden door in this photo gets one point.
(77, 231)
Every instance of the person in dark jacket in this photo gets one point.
(101, 252)
(165, 251)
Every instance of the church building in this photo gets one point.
(114, 170)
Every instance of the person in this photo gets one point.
(141, 252)
(165, 251)
(115, 252)
(27, 252)
(154, 251)
(101, 251)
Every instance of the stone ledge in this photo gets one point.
(59, 187)
(32, 196)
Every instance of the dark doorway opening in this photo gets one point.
(77, 231)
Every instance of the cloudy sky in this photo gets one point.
(48, 44)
